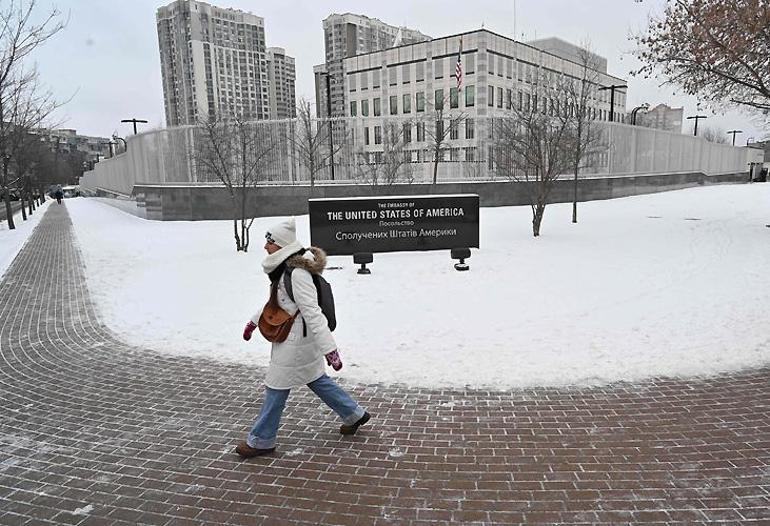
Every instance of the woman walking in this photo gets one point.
(299, 359)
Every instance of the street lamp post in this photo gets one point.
(644, 107)
(734, 133)
(134, 121)
(612, 89)
(697, 118)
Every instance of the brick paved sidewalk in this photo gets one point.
(93, 431)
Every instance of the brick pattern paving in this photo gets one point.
(95, 432)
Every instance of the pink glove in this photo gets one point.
(248, 330)
(333, 359)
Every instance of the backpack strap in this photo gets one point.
(290, 291)
(287, 283)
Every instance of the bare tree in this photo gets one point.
(21, 32)
(535, 146)
(392, 164)
(576, 109)
(239, 154)
(310, 139)
(714, 49)
(439, 124)
(714, 135)
(30, 107)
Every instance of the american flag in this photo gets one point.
(459, 66)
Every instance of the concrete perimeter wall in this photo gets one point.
(185, 202)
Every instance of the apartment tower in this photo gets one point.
(345, 36)
(214, 62)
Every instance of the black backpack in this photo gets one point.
(325, 298)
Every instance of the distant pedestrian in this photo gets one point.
(58, 194)
(299, 359)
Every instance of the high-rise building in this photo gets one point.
(281, 73)
(348, 35)
(214, 62)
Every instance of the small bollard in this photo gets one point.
(462, 254)
(362, 258)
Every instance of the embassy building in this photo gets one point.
(407, 82)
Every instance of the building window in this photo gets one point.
(420, 67)
(420, 131)
(469, 63)
(352, 82)
(454, 155)
(375, 79)
(407, 103)
(470, 96)
(509, 69)
(521, 98)
(453, 98)
(394, 104)
(438, 99)
(491, 97)
(439, 128)
(364, 81)
(438, 68)
(454, 130)
(366, 136)
(470, 155)
(392, 72)
(406, 73)
(378, 135)
(365, 107)
(353, 111)
(491, 62)
(420, 101)
(508, 99)
(377, 109)
(407, 132)
(499, 97)
(470, 131)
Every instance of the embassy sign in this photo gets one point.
(390, 224)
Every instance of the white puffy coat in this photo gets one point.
(300, 360)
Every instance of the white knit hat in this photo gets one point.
(283, 234)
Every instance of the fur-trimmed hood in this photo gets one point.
(313, 260)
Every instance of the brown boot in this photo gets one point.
(350, 429)
(246, 451)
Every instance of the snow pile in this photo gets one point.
(667, 284)
(11, 241)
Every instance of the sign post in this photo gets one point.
(391, 224)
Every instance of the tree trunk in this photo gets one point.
(42, 195)
(23, 209)
(9, 210)
(537, 218)
(435, 167)
(575, 197)
(237, 238)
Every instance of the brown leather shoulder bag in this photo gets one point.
(274, 322)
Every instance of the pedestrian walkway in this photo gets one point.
(96, 432)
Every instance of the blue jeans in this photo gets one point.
(262, 435)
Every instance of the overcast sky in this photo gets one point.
(107, 59)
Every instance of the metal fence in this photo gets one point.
(383, 150)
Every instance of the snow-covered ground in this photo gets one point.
(672, 284)
(11, 241)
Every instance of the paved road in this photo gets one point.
(96, 432)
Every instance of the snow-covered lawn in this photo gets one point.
(667, 284)
(11, 241)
